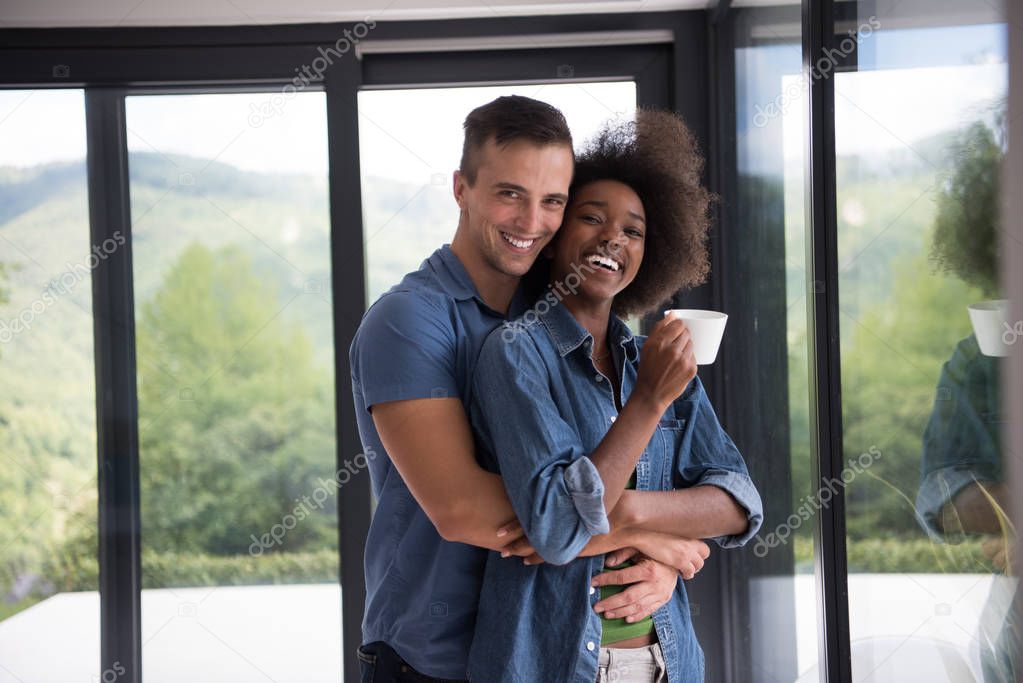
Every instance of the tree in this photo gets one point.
(236, 423)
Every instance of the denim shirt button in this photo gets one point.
(599, 378)
(612, 418)
(592, 590)
(590, 646)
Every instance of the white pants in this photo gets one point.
(631, 665)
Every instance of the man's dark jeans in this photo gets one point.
(379, 663)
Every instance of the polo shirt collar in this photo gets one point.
(451, 274)
(455, 281)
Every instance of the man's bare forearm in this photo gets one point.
(696, 512)
(430, 443)
(481, 509)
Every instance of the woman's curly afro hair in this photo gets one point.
(657, 157)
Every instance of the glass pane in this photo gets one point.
(407, 162)
(920, 134)
(236, 385)
(769, 270)
(48, 494)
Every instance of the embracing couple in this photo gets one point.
(548, 475)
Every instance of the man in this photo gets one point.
(412, 363)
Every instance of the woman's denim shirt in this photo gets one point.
(539, 407)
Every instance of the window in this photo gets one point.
(920, 135)
(48, 526)
(235, 381)
(919, 117)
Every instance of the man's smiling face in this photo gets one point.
(517, 202)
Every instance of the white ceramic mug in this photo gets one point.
(989, 320)
(706, 329)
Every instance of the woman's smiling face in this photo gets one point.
(602, 239)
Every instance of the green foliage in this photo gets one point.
(890, 370)
(907, 556)
(236, 429)
(966, 229)
(235, 381)
(896, 340)
(236, 422)
(181, 570)
(899, 320)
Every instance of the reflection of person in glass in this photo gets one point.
(962, 488)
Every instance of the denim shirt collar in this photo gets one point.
(569, 335)
(454, 279)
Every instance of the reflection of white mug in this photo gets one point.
(705, 328)
(990, 320)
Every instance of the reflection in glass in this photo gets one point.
(919, 131)
(235, 380)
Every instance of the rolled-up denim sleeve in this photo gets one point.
(708, 456)
(587, 491)
(741, 488)
(555, 489)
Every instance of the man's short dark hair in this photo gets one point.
(508, 118)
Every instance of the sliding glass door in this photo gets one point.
(238, 489)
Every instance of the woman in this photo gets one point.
(546, 391)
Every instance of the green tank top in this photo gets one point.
(616, 630)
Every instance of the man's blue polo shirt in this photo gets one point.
(420, 339)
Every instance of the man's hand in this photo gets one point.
(616, 557)
(667, 365)
(686, 555)
(652, 585)
(518, 545)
